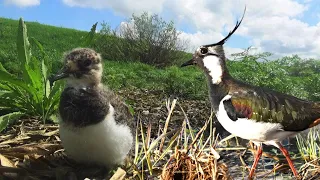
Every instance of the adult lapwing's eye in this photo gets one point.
(87, 62)
(204, 50)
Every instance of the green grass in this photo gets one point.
(28, 93)
(189, 83)
(308, 146)
(291, 75)
(55, 41)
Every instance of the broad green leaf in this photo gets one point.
(3, 86)
(44, 70)
(88, 39)
(4, 92)
(40, 47)
(17, 99)
(23, 44)
(30, 94)
(6, 119)
(3, 69)
(5, 76)
(36, 42)
(24, 52)
(54, 96)
(45, 81)
(47, 88)
(35, 74)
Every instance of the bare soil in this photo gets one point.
(30, 149)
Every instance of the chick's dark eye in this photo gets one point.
(86, 62)
(203, 50)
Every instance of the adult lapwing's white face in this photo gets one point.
(211, 60)
(81, 68)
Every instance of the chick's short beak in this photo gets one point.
(188, 63)
(63, 73)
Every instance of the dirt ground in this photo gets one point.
(32, 150)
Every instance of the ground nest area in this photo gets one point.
(175, 143)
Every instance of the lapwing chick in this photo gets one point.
(96, 125)
(254, 113)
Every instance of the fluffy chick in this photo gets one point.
(96, 126)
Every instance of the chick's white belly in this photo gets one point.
(105, 143)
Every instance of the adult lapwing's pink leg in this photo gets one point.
(255, 162)
(286, 154)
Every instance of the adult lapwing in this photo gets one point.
(258, 114)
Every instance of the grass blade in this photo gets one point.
(8, 118)
(3, 69)
(89, 38)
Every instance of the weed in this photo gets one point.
(308, 147)
(29, 93)
(180, 152)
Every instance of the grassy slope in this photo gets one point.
(55, 40)
(289, 75)
(300, 79)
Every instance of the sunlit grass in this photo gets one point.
(179, 152)
(308, 146)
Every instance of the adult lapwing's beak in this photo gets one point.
(188, 63)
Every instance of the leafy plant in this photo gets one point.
(87, 41)
(146, 38)
(55, 41)
(30, 93)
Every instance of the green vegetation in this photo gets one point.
(25, 91)
(308, 146)
(291, 75)
(189, 83)
(30, 93)
(145, 38)
(54, 40)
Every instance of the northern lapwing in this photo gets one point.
(96, 126)
(258, 114)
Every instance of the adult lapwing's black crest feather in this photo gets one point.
(230, 33)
